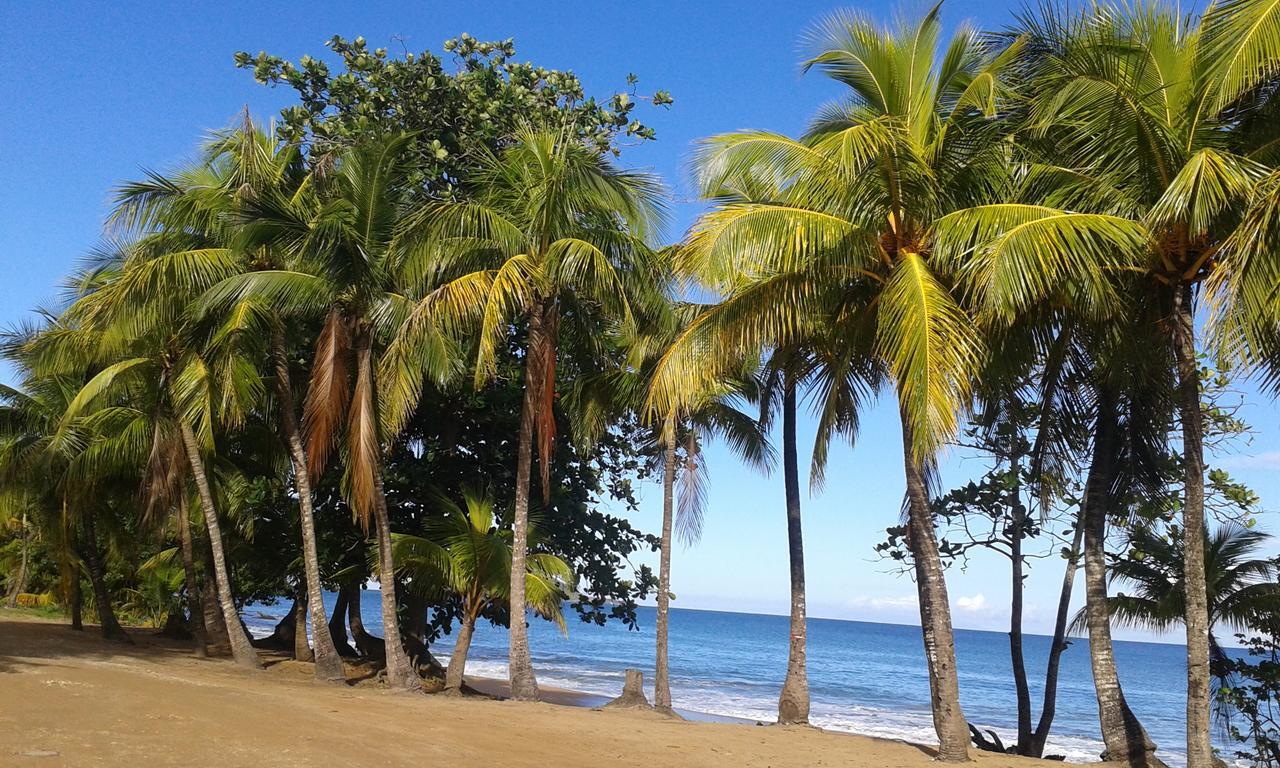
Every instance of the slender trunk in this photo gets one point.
(793, 702)
(76, 599)
(1199, 748)
(215, 627)
(400, 672)
(1016, 586)
(301, 648)
(454, 675)
(338, 623)
(1050, 708)
(19, 583)
(935, 611)
(662, 669)
(524, 685)
(241, 649)
(111, 628)
(1125, 738)
(193, 585)
(363, 640)
(325, 652)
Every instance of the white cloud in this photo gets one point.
(884, 603)
(972, 604)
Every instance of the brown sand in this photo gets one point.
(71, 699)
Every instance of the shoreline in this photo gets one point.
(74, 699)
(568, 697)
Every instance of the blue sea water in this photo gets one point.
(864, 678)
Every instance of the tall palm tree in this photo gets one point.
(674, 447)
(1147, 149)
(344, 268)
(842, 238)
(554, 236)
(216, 198)
(148, 352)
(465, 553)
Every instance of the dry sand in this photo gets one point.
(72, 699)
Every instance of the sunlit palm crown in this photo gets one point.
(1145, 136)
(552, 229)
(833, 233)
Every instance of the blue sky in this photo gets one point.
(94, 92)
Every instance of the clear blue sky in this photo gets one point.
(90, 93)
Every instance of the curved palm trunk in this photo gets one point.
(400, 672)
(241, 649)
(111, 628)
(1125, 738)
(793, 702)
(194, 606)
(338, 623)
(1050, 708)
(661, 669)
(366, 644)
(935, 611)
(454, 675)
(524, 686)
(327, 660)
(1199, 747)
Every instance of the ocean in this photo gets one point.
(863, 678)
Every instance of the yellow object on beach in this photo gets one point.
(28, 600)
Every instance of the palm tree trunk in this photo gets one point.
(1199, 747)
(935, 611)
(793, 702)
(1022, 690)
(661, 670)
(76, 599)
(338, 623)
(361, 638)
(19, 583)
(241, 649)
(301, 648)
(1125, 738)
(327, 660)
(111, 628)
(193, 585)
(524, 685)
(1050, 708)
(454, 675)
(400, 672)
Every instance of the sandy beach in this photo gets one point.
(71, 699)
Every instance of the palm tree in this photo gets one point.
(43, 450)
(344, 267)
(1144, 144)
(216, 198)
(841, 238)
(674, 447)
(466, 553)
(554, 234)
(131, 326)
(1242, 585)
